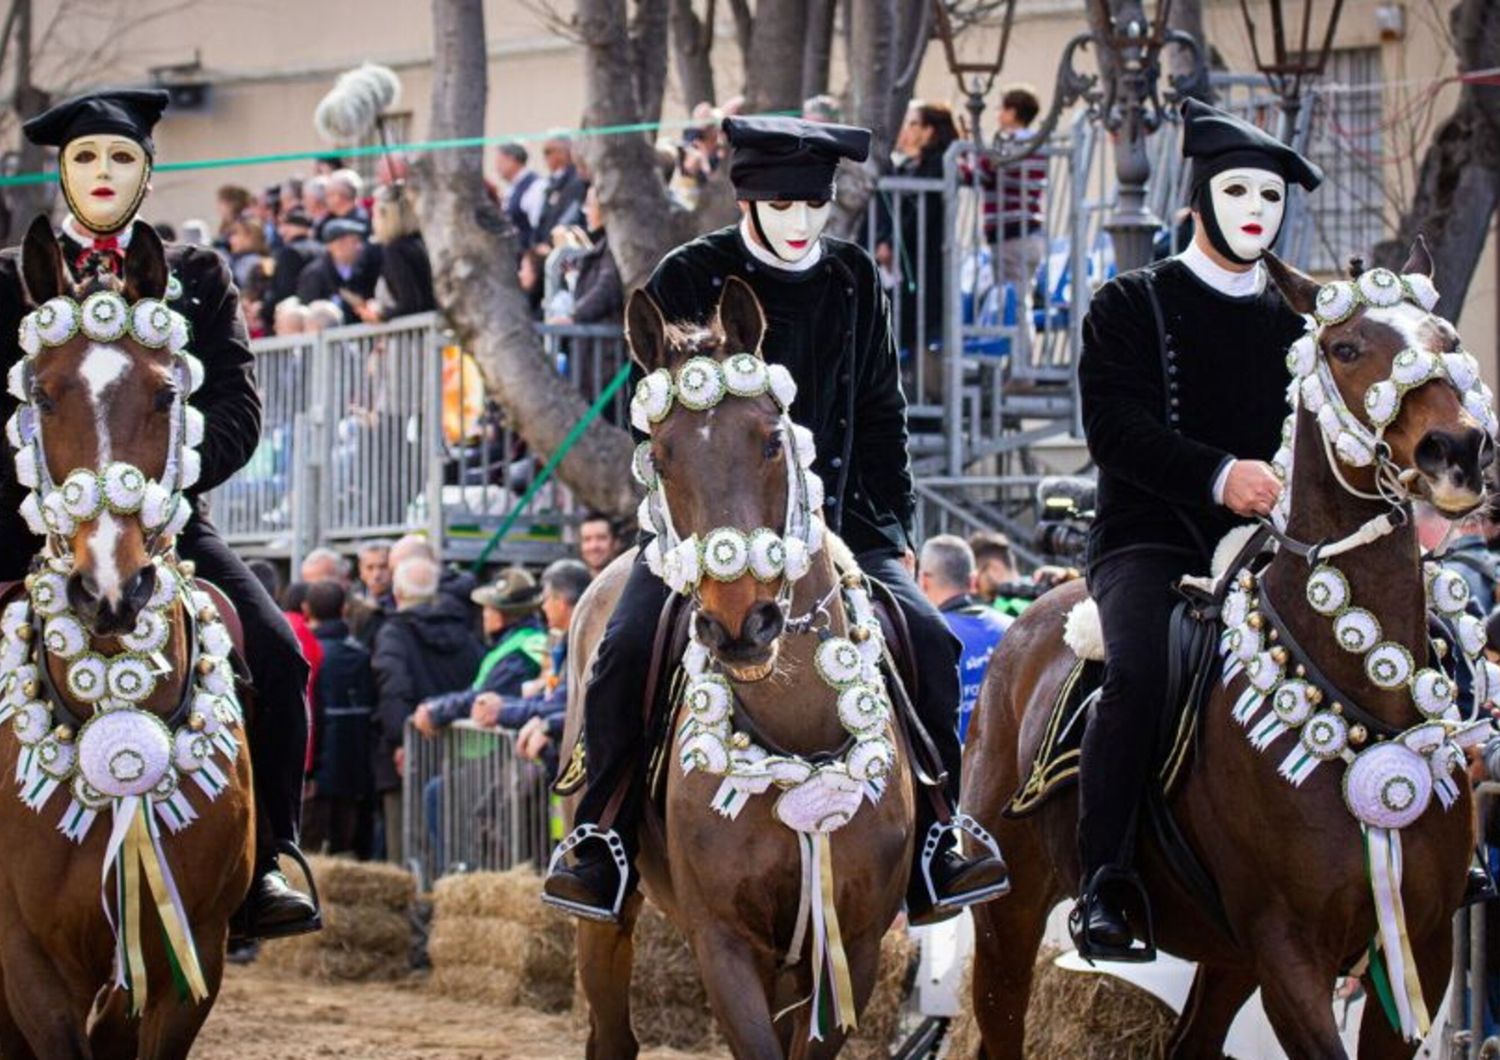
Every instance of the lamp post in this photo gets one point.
(1123, 97)
(1288, 68)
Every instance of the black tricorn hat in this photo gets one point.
(1216, 140)
(789, 158)
(128, 112)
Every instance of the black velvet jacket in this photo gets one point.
(228, 399)
(830, 326)
(1162, 423)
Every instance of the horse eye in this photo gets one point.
(773, 446)
(165, 398)
(40, 399)
(1345, 352)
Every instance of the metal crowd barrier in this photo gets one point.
(469, 804)
(1473, 1028)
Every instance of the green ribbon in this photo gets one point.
(551, 465)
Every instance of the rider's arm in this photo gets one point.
(880, 413)
(228, 398)
(1120, 381)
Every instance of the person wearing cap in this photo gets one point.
(512, 616)
(105, 159)
(1183, 381)
(346, 272)
(829, 324)
(296, 249)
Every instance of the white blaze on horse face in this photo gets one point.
(102, 368)
(104, 178)
(793, 228)
(1249, 205)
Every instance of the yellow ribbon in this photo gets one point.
(130, 864)
(843, 986)
(1413, 983)
(179, 935)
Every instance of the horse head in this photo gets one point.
(1396, 396)
(730, 495)
(103, 423)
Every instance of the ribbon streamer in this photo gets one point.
(1403, 984)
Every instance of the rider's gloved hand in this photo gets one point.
(1251, 488)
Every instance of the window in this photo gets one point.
(1347, 140)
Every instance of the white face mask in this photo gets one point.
(792, 228)
(104, 179)
(1248, 205)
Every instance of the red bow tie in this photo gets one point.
(104, 252)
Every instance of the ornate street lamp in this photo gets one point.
(1289, 67)
(956, 20)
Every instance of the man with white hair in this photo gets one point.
(343, 193)
(456, 585)
(425, 648)
(946, 576)
(324, 565)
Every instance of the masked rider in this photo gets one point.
(828, 323)
(1183, 380)
(104, 165)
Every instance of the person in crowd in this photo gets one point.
(914, 255)
(297, 251)
(537, 716)
(1467, 554)
(315, 202)
(343, 192)
(405, 284)
(322, 315)
(530, 273)
(346, 274)
(327, 165)
(291, 195)
(597, 296)
(563, 203)
(829, 325)
(996, 578)
(266, 573)
(324, 565)
(371, 599)
(695, 156)
(344, 704)
(167, 232)
(457, 585)
(246, 243)
(268, 213)
(292, 598)
(946, 576)
(290, 317)
(598, 544)
(512, 617)
(525, 193)
(822, 108)
(195, 233)
(423, 649)
(231, 202)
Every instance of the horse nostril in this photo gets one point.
(711, 632)
(83, 591)
(763, 624)
(1434, 453)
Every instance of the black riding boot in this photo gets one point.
(592, 870)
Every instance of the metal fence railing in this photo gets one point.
(469, 804)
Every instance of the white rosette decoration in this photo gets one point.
(13, 429)
(1246, 643)
(767, 555)
(807, 450)
(1325, 735)
(30, 338)
(1313, 395)
(872, 759)
(1412, 368)
(814, 490)
(124, 752)
(1264, 672)
(194, 372)
(823, 803)
(798, 558)
(216, 639)
(680, 568)
(88, 678)
(1420, 289)
(1380, 287)
(700, 383)
(190, 468)
(31, 511)
(709, 700)
(124, 487)
(1389, 665)
(642, 467)
(56, 321)
(1293, 702)
(645, 516)
(1302, 357)
(105, 316)
(157, 506)
(652, 401)
(1357, 630)
(31, 722)
(81, 495)
(49, 593)
(216, 676)
(652, 551)
(1388, 786)
(1382, 403)
(726, 554)
(1447, 592)
(1354, 449)
(64, 636)
(863, 708)
(838, 662)
(182, 511)
(151, 323)
(1335, 302)
(745, 375)
(194, 427)
(1462, 369)
(1433, 692)
(28, 467)
(1327, 590)
(55, 757)
(151, 632)
(55, 515)
(130, 678)
(191, 750)
(704, 750)
(178, 339)
(1470, 634)
(783, 387)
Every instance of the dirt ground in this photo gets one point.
(262, 1016)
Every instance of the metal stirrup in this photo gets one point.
(963, 824)
(611, 839)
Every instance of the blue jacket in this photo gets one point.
(343, 707)
(551, 706)
(504, 678)
(980, 628)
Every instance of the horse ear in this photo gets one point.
(42, 263)
(740, 317)
(646, 331)
(1299, 289)
(145, 264)
(1419, 260)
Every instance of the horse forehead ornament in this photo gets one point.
(121, 758)
(1388, 783)
(816, 797)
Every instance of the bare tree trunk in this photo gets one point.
(692, 41)
(744, 30)
(1458, 185)
(24, 201)
(648, 43)
(818, 50)
(471, 246)
(913, 31)
(773, 81)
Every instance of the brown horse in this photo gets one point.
(1287, 862)
(734, 886)
(102, 404)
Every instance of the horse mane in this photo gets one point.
(685, 339)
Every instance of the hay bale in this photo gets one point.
(882, 1016)
(1087, 1015)
(358, 943)
(342, 881)
(493, 940)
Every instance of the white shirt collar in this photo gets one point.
(765, 257)
(1225, 281)
(81, 235)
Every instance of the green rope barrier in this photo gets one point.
(541, 479)
(415, 147)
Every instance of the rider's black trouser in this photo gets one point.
(1135, 597)
(612, 702)
(278, 721)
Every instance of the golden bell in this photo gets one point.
(205, 666)
(1255, 620)
(852, 581)
(208, 615)
(196, 722)
(739, 741)
(859, 634)
(1315, 695)
(1279, 656)
(1358, 735)
(33, 689)
(1274, 635)
(187, 568)
(1247, 579)
(1440, 646)
(29, 581)
(1337, 708)
(1302, 672)
(63, 733)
